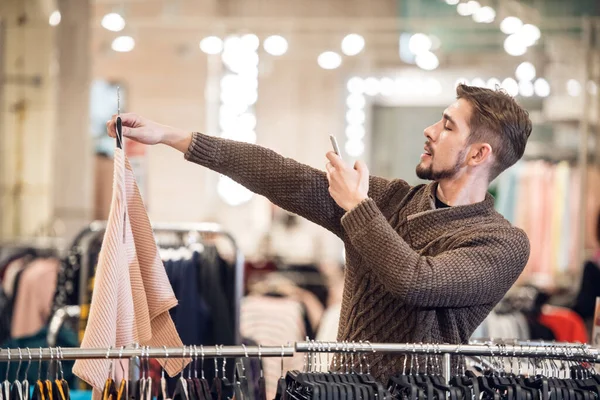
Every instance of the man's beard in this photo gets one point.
(427, 173)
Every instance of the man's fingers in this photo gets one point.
(110, 128)
(330, 168)
(335, 160)
(361, 167)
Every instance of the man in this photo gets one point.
(424, 263)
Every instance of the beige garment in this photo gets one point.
(33, 300)
(132, 295)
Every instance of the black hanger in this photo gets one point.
(181, 387)
(119, 127)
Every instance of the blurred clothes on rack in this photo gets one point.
(272, 321)
(566, 324)
(27, 285)
(524, 314)
(132, 295)
(542, 198)
(33, 301)
(279, 284)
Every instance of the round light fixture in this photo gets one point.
(541, 87)
(525, 71)
(123, 44)
(419, 43)
(427, 61)
(275, 45)
(511, 86)
(510, 25)
(353, 44)
(514, 45)
(211, 45)
(54, 18)
(329, 60)
(113, 22)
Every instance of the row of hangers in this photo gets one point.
(43, 389)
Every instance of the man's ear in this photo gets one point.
(479, 154)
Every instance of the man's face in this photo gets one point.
(446, 144)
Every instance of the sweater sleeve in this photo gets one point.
(478, 271)
(293, 186)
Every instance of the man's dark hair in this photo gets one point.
(498, 120)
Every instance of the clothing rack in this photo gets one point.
(98, 227)
(74, 353)
(556, 350)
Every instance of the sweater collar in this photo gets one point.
(427, 206)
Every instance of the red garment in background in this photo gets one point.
(566, 325)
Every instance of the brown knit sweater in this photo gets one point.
(414, 273)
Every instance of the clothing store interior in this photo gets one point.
(128, 270)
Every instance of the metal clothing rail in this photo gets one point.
(543, 350)
(550, 350)
(75, 353)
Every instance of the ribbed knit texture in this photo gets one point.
(132, 295)
(413, 273)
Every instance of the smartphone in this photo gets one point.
(334, 143)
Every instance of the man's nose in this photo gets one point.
(429, 132)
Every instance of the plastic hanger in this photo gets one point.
(181, 389)
(217, 386)
(198, 390)
(110, 390)
(25, 383)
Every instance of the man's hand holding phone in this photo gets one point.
(347, 186)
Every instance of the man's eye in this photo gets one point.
(447, 128)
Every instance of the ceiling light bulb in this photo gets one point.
(123, 44)
(355, 100)
(427, 61)
(492, 83)
(541, 87)
(510, 25)
(211, 45)
(459, 81)
(353, 44)
(525, 71)
(275, 45)
(250, 42)
(386, 86)
(432, 87)
(55, 18)
(530, 34)
(355, 147)
(113, 22)
(573, 87)
(419, 43)
(356, 85)
(473, 6)
(463, 9)
(329, 60)
(511, 86)
(478, 82)
(372, 86)
(355, 132)
(514, 45)
(526, 89)
(452, 2)
(485, 15)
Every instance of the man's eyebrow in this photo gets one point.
(449, 118)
